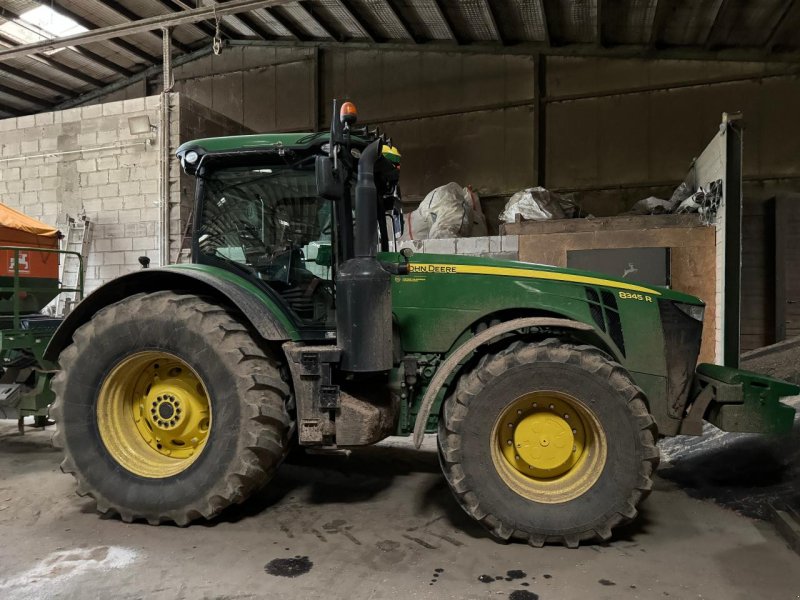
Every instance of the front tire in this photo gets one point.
(548, 442)
(168, 409)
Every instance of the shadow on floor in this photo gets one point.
(741, 472)
(333, 479)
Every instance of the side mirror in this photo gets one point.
(327, 185)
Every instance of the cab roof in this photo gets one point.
(299, 140)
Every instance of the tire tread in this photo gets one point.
(589, 358)
(259, 383)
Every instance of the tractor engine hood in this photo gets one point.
(445, 264)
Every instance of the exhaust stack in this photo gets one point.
(363, 286)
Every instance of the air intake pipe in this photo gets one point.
(363, 286)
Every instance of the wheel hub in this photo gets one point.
(154, 414)
(542, 437)
(544, 441)
(164, 409)
(177, 420)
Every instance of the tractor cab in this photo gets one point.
(278, 210)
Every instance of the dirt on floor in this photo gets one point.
(380, 523)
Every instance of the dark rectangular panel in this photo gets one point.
(642, 265)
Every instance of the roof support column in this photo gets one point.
(540, 119)
(164, 154)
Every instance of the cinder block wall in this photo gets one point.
(85, 161)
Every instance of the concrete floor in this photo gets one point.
(379, 524)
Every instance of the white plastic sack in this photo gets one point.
(479, 227)
(651, 206)
(533, 204)
(448, 211)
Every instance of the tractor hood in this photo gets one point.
(468, 265)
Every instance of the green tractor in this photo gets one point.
(183, 388)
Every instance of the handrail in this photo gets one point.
(17, 288)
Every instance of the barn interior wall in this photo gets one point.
(85, 161)
(195, 121)
(616, 130)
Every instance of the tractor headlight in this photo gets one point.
(695, 311)
(191, 157)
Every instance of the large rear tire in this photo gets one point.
(548, 442)
(169, 409)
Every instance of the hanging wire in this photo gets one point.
(216, 43)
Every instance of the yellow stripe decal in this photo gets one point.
(420, 268)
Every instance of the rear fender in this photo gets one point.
(262, 313)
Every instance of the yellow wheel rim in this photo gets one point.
(548, 447)
(153, 414)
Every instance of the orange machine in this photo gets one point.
(17, 229)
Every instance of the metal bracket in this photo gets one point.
(329, 396)
(310, 363)
(692, 424)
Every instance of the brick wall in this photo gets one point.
(85, 160)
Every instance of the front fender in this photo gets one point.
(452, 362)
(262, 312)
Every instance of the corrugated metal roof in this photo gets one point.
(756, 27)
(273, 25)
(429, 19)
(630, 21)
(384, 19)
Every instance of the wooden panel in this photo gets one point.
(692, 256)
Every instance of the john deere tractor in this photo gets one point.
(183, 388)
